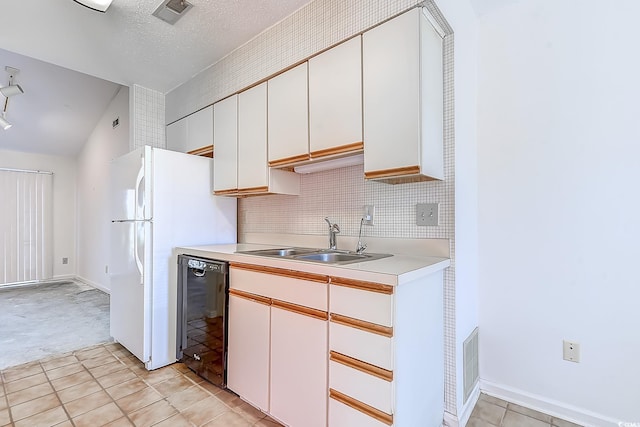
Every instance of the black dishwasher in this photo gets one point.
(203, 301)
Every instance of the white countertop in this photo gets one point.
(393, 270)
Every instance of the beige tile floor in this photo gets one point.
(106, 385)
(492, 412)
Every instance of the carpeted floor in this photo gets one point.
(42, 320)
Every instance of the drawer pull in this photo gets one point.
(363, 286)
(299, 309)
(281, 272)
(385, 331)
(361, 366)
(362, 407)
(250, 297)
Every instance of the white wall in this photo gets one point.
(559, 205)
(104, 144)
(64, 202)
(462, 19)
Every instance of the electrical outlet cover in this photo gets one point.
(571, 351)
(368, 212)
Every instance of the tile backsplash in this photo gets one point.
(341, 193)
(147, 111)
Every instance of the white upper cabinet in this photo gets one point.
(192, 134)
(403, 100)
(177, 136)
(335, 100)
(240, 160)
(225, 140)
(288, 125)
(200, 130)
(252, 138)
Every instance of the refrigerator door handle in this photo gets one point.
(136, 251)
(139, 193)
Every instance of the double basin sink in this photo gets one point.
(323, 256)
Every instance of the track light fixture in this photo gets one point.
(8, 91)
(4, 123)
(11, 90)
(98, 5)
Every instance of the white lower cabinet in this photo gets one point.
(298, 368)
(286, 326)
(386, 353)
(248, 349)
(343, 415)
(315, 350)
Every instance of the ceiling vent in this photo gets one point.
(172, 10)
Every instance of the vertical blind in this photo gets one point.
(25, 226)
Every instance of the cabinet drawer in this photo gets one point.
(359, 303)
(306, 290)
(362, 386)
(343, 415)
(369, 347)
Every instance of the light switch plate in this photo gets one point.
(427, 214)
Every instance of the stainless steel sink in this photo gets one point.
(281, 252)
(323, 256)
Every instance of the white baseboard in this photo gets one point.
(61, 277)
(93, 284)
(548, 406)
(451, 420)
(467, 409)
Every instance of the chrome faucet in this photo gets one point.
(333, 230)
(360, 247)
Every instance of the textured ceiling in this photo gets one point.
(127, 44)
(58, 109)
(63, 102)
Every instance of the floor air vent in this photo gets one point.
(172, 10)
(470, 363)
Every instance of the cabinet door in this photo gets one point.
(288, 116)
(298, 368)
(200, 129)
(248, 350)
(225, 142)
(252, 138)
(177, 136)
(335, 100)
(391, 93)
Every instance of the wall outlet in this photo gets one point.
(106, 269)
(368, 212)
(65, 260)
(571, 351)
(427, 214)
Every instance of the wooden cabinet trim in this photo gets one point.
(362, 285)
(288, 160)
(243, 191)
(356, 147)
(361, 366)
(385, 331)
(394, 172)
(300, 309)
(361, 407)
(206, 151)
(319, 278)
(251, 297)
(229, 192)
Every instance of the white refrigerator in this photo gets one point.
(160, 199)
